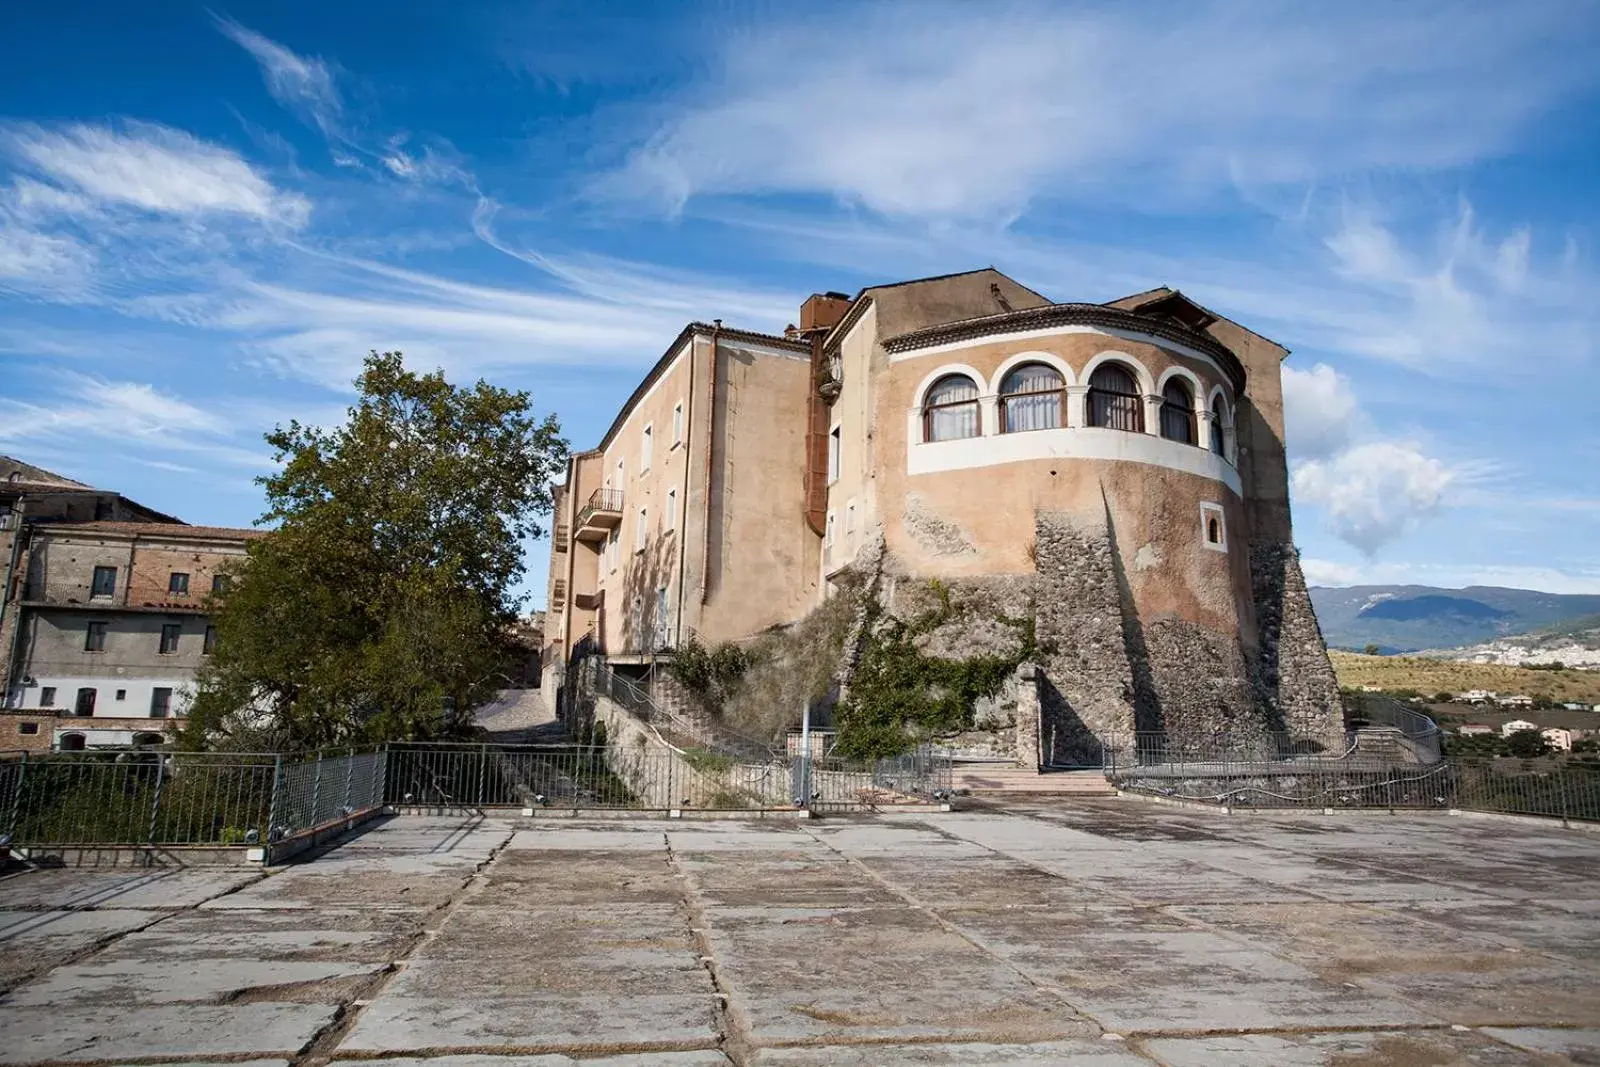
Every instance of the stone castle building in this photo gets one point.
(1114, 471)
(103, 620)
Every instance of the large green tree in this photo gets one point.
(377, 607)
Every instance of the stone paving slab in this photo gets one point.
(1085, 1053)
(1464, 979)
(112, 1031)
(362, 935)
(147, 888)
(878, 973)
(406, 1018)
(1579, 1045)
(1390, 1049)
(582, 876)
(981, 881)
(783, 879)
(30, 940)
(129, 982)
(641, 1059)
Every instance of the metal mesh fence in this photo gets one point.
(1529, 787)
(324, 789)
(136, 797)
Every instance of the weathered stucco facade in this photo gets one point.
(1117, 469)
(112, 627)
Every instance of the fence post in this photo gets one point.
(383, 775)
(349, 772)
(155, 804)
(316, 793)
(16, 798)
(272, 801)
(483, 771)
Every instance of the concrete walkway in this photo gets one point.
(1111, 933)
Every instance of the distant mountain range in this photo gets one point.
(1410, 618)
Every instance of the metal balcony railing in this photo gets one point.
(599, 515)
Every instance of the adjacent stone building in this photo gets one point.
(104, 618)
(1115, 472)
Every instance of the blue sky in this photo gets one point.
(209, 214)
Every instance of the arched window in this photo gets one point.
(1030, 399)
(1219, 423)
(950, 411)
(1114, 400)
(1177, 412)
(72, 742)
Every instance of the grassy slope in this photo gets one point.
(1433, 676)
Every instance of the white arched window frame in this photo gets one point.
(1117, 406)
(1032, 396)
(1219, 422)
(1181, 421)
(949, 405)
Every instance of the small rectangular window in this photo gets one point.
(169, 637)
(827, 537)
(677, 425)
(646, 451)
(28, 728)
(672, 510)
(122, 694)
(1213, 528)
(661, 617)
(178, 584)
(210, 645)
(160, 702)
(639, 534)
(105, 582)
(613, 541)
(220, 583)
(94, 640)
(85, 704)
(833, 455)
(47, 697)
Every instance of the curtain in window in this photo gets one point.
(951, 412)
(1031, 398)
(1177, 413)
(1114, 400)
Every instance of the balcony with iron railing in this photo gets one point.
(599, 516)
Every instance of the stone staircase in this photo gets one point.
(994, 779)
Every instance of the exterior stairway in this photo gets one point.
(993, 779)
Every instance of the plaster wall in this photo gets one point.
(852, 496)
(979, 519)
(761, 557)
(644, 557)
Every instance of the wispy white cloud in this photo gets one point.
(132, 415)
(949, 109)
(308, 87)
(300, 83)
(145, 167)
(1450, 575)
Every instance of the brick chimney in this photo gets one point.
(822, 311)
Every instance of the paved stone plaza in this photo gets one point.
(1109, 933)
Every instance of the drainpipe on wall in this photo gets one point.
(6, 598)
(711, 434)
(683, 555)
